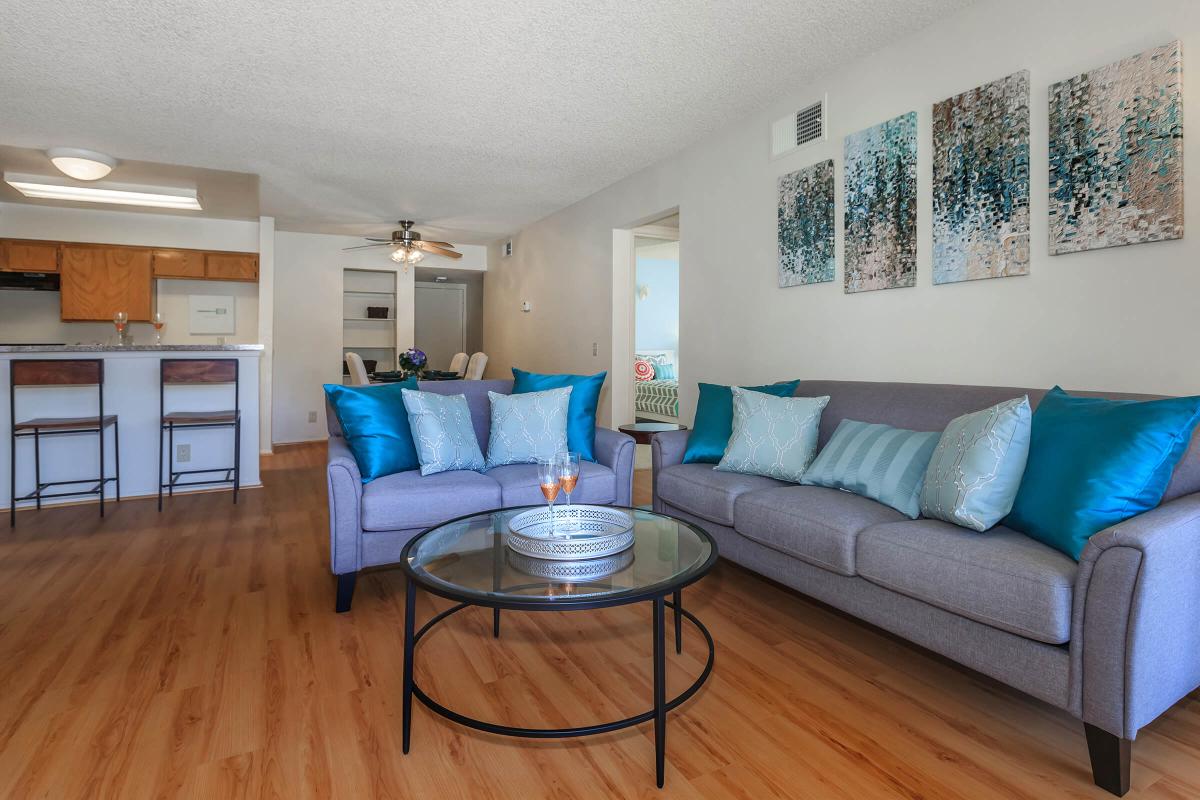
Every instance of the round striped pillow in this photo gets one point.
(643, 370)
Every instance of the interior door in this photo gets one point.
(441, 321)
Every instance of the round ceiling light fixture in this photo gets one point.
(82, 165)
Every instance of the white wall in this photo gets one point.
(1120, 319)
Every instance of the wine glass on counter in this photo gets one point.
(568, 471)
(158, 322)
(550, 481)
(120, 320)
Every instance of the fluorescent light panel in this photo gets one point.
(48, 188)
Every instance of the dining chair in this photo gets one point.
(358, 370)
(475, 367)
(458, 364)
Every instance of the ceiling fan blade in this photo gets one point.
(438, 244)
(364, 246)
(373, 239)
(429, 247)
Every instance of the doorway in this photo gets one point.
(656, 321)
(440, 321)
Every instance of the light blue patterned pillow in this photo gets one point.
(527, 426)
(772, 436)
(977, 466)
(876, 461)
(665, 372)
(442, 432)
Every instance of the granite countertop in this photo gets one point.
(132, 348)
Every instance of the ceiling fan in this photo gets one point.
(407, 245)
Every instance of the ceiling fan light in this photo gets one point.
(82, 165)
(415, 255)
(398, 255)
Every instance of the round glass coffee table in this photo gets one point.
(466, 560)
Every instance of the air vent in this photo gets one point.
(798, 129)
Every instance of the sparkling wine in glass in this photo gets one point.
(568, 470)
(550, 480)
(159, 322)
(120, 320)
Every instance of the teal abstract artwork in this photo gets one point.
(1116, 154)
(806, 225)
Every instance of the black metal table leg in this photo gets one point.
(410, 601)
(495, 623)
(678, 608)
(660, 690)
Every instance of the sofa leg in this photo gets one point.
(1110, 759)
(345, 591)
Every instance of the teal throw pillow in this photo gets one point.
(976, 468)
(876, 461)
(581, 413)
(527, 427)
(1095, 462)
(442, 432)
(375, 424)
(773, 436)
(713, 424)
(665, 372)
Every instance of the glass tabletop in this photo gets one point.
(468, 559)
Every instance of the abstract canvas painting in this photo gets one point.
(1116, 154)
(981, 182)
(881, 206)
(806, 225)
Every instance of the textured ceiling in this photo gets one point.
(473, 118)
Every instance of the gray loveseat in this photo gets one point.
(1113, 639)
(369, 524)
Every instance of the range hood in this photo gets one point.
(29, 281)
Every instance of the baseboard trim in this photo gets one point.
(126, 498)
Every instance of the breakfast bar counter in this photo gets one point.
(131, 392)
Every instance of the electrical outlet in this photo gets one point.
(183, 453)
(595, 346)
(312, 416)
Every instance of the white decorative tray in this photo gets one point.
(574, 534)
(584, 571)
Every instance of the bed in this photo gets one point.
(657, 399)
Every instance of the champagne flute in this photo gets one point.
(550, 480)
(159, 322)
(568, 470)
(119, 320)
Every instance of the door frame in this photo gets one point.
(461, 288)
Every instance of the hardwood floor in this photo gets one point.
(196, 654)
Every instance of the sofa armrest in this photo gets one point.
(345, 503)
(616, 450)
(666, 450)
(1136, 620)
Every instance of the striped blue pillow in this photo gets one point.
(876, 461)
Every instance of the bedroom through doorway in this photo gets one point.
(656, 321)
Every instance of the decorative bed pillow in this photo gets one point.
(526, 427)
(581, 411)
(643, 370)
(714, 420)
(976, 468)
(773, 436)
(876, 461)
(375, 424)
(665, 372)
(1095, 462)
(442, 431)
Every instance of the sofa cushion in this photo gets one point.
(701, 490)
(1001, 578)
(519, 485)
(409, 500)
(811, 523)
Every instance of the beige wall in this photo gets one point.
(1118, 319)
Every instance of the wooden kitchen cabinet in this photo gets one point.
(179, 264)
(98, 281)
(26, 256)
(231, 267)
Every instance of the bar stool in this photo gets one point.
(193, 372)
(29, 372)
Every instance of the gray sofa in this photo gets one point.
(369, 524)
(1113, 639)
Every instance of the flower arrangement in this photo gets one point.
(413, 361)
